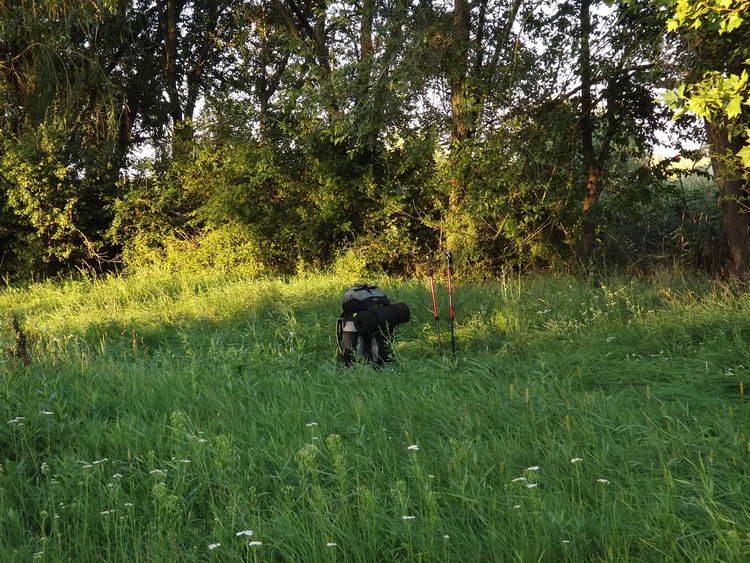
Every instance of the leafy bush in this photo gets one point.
(54, 195)
(225, 249)
(292, 208)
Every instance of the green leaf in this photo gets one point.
(744, 155)
(733, 108)
(734, 22)
(743, 79)
(672, 25)
(671, 98)
(697, 105)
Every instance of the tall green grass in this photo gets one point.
(164, 414)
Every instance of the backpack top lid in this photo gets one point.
(362, 297)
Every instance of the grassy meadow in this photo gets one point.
(204, 418)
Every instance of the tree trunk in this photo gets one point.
(181, 132)
(589, 201)
(310, 22)
(365, 62)
(462, 124)
(458, 235)
(734, 194)
(365, 31)
(586, 128)
(170, 61)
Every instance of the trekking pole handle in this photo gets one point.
(435, 307)
(432, 291)
(449, 259)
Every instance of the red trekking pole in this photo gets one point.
(449, 258)
(435, 309)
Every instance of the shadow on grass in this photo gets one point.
(614, 337)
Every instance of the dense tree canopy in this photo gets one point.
(278, 135)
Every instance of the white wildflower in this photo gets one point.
(408, 517)
(213, 545)
(516, 506)
(254, 543)
(603, 481)
(158, 471)
(533, 468)
(446, 537)
(38, 555)
(331, 544)
(517, 479)
(311, 424)
(128, 504)
(576, 460)
(117, 476)
(87, 466)
(531, 485)
(46, 412)
(185, 460)
(413, 447)
(98, 461)
(244, 533)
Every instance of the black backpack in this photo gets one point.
(367, 324)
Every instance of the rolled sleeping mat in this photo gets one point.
(386, 318)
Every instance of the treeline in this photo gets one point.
(277, 135)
